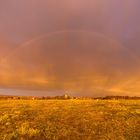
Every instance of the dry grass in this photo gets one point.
(69, 120)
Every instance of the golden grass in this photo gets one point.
(69, 120)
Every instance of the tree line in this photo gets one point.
(67, 97)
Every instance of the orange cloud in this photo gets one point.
(79, 61)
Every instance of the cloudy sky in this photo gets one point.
(90, 47)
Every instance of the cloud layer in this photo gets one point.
(89, 46)
(72, 60)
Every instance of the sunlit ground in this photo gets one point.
(69, 120)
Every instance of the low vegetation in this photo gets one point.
(69, 119)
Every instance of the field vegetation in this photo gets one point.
(70, 119)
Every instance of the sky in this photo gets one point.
(87, 47)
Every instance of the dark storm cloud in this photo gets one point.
(26, 19)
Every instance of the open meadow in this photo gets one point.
(69, 119)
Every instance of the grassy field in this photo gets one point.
(69, 120)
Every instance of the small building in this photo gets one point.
(66, 96)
